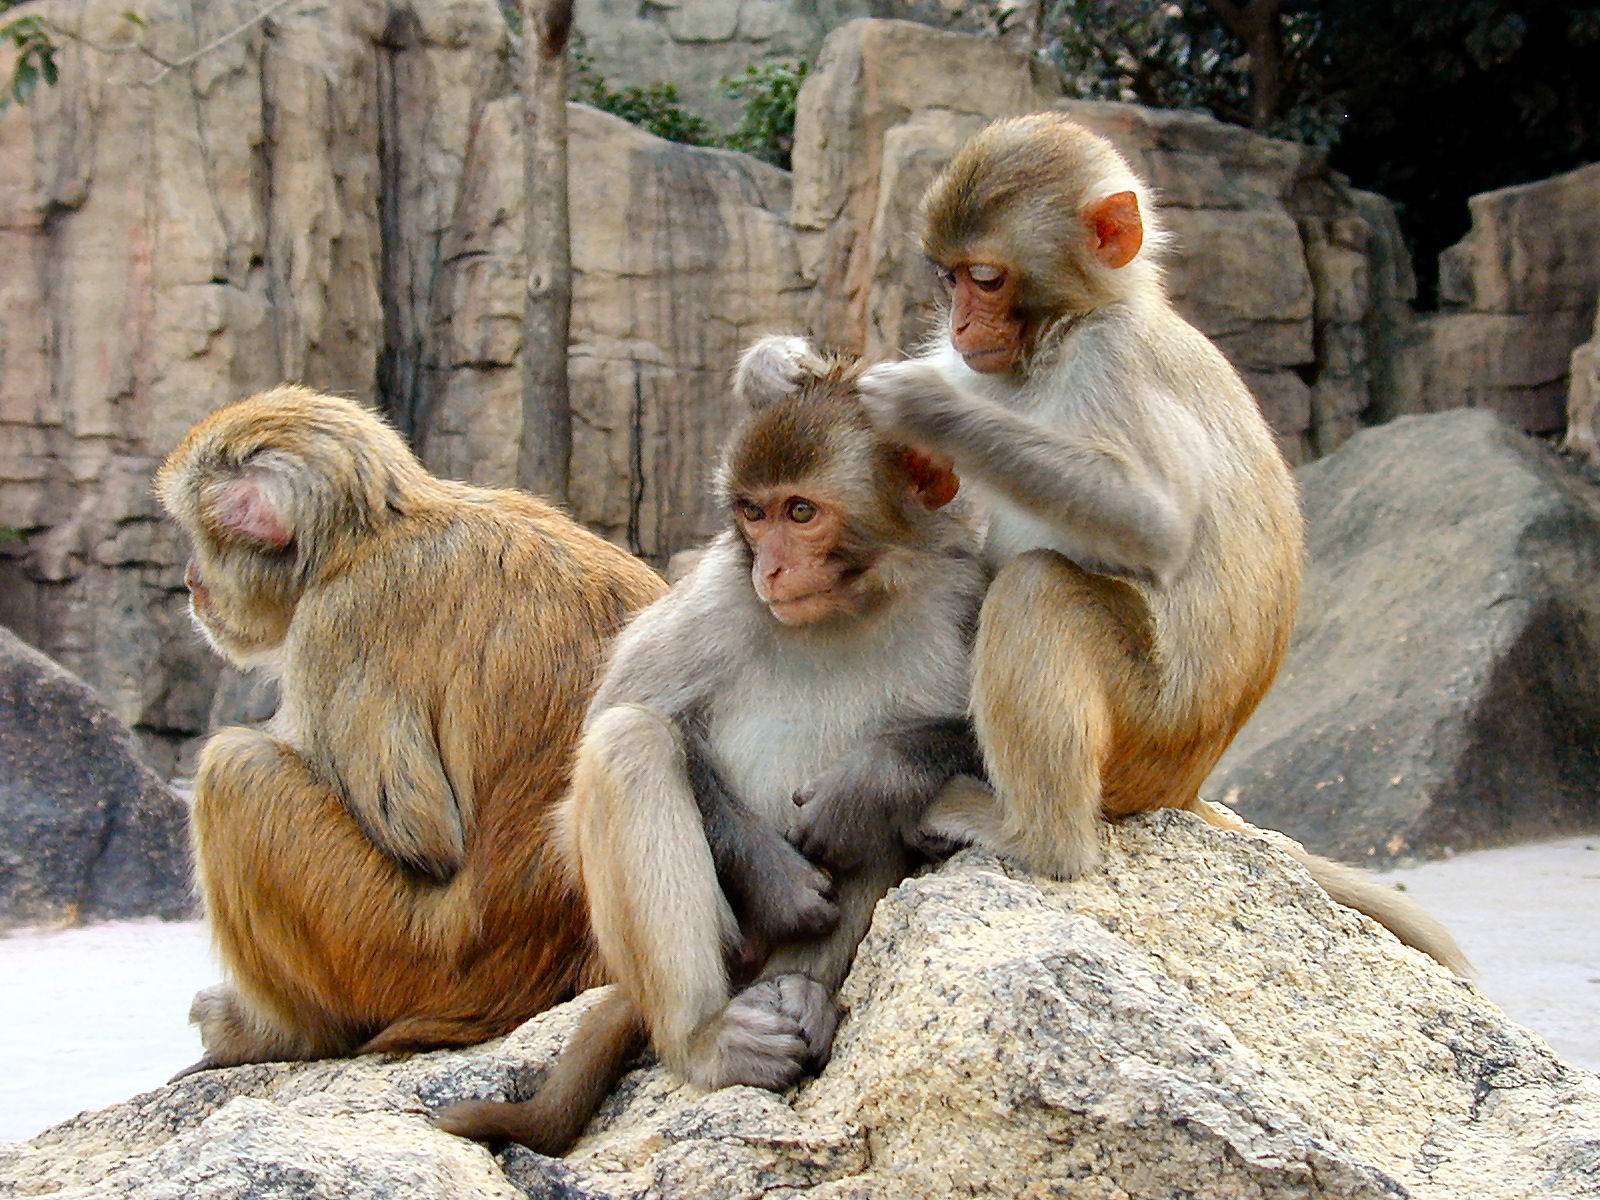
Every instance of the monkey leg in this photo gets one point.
(323, 939)
(1060, 667)
(660, 920)
(802, 977)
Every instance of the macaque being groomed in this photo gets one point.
(817, 656)
(1142, 521)
(375, 864)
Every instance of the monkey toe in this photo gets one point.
(812, 1008)
(770, 1034)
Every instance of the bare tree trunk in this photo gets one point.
(1258, 24)
(544, 456)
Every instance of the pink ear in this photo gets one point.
(245, 507)
(933, 477)
(1115, 231)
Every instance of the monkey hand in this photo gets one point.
(900, 397)
(773, 368)
(787, 896)
(850, 815)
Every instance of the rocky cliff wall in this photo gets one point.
(1517, 295)
(333, 194)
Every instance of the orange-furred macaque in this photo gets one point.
(375, 863)
(1142, 521)
(810, 675)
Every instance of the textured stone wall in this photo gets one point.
(1302, 281)
(172, 239)
(695, 44)
(1517, 295)
(681, 256)
(333, 195)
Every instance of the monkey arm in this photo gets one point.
(1116, 504)
(775, 891)
(367, 735)
(871, 801)
(681, 650)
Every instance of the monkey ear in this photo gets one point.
(1116, 231)
(247, 507)
(933, 476)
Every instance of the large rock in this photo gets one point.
(1196, 1020)
(1583, 400)
(695, 44)
(86, 831)
(1441, 691)
(680, 259)
(885, 107)
(1517, 294)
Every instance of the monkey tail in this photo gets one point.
(1357, 889)
(608, 1036)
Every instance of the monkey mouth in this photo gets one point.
(838, 598)
(992, 359)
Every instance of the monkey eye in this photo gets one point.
(801, 510)
(987, 277)
(750, 512)
(947, 277)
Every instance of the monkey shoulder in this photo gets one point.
(682, 646)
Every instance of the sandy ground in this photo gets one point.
(93, 1016)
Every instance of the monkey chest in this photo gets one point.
(781, 724)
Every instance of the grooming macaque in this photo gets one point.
(817, 656)
(1142, 521)
(375, 864)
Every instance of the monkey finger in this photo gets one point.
(890, 390)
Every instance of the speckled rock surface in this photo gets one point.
(1197, 1019)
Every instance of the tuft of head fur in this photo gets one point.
(1016, 193)
(324, 466)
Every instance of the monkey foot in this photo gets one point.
(768, 1035)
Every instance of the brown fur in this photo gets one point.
(374, 864)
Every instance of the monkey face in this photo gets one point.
(801, 569)
(986, 325)
(243, 627)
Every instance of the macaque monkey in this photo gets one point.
(1143, 524)
(375, 864)
(817, 656)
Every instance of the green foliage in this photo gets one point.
(1448, 100)
(655, 107)
(766, 125)
(34, 41)
(1177, 55)
(511, 10)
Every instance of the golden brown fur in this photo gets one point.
(374, 863)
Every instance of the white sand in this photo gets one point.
(93, 1016)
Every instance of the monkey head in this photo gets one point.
(1034, 221)
(822, 503)
(269, 491)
